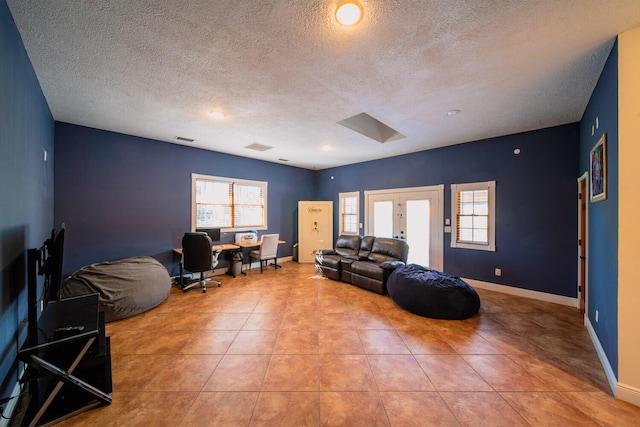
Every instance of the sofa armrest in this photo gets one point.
(326, 252)
(391, 265)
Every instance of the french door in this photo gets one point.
(413, 214)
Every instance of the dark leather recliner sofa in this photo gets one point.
(365, 262)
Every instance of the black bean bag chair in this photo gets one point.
(430, 293)
(125, 287)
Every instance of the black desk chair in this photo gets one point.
(197, 257)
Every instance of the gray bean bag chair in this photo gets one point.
(126, 287)
(431, 293)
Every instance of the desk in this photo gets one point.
(223, 247)
(233, 248)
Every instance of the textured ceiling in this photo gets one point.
(284, 72)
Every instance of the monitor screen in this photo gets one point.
(52, 267)
(214, 233)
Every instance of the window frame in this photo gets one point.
(491, 217)
(262, 184)
(341, 198)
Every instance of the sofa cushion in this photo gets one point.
(368, 269)
(365, 247)
(348, 246)
(388, 249)
(431, 293)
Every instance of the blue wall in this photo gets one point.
(123, 196)
(602, 253)
(536, 224)
(26, 187)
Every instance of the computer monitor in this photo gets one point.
(214, 233)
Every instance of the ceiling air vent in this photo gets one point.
(258, 147)
(366, 125)
(183, 139)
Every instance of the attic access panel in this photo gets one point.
(372, 128)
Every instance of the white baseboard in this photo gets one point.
(628, 394)
(608, 371)
(526, 293)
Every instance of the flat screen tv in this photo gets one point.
(44, 261)
(52, 265)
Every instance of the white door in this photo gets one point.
(413, 214)
(315, 229)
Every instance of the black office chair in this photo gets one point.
(197, 257)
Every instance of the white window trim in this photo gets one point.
(264, 184)
(341, 196)
(486, 185)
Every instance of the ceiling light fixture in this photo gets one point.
(326, 147)
(349, 13)
(217, 115)
(453, 113)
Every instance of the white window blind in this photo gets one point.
(473, 215)
(349, 212)
(228, 204)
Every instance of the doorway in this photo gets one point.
(583, 217)
(413, 214)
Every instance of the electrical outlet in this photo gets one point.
(596, 316)
(498, 272)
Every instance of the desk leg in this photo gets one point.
(242, 263)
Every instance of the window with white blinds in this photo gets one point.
(229, 204)
(473, 215)
(349, 212)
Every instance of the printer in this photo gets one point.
(246, 238)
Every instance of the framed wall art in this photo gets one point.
(598, 170)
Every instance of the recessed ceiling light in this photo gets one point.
(217, 115)
(453, 113)
(326, 147)
(349, 13)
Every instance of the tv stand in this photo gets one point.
(68, 361)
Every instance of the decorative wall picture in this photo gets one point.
(598, 170)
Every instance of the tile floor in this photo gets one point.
(286, 348)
